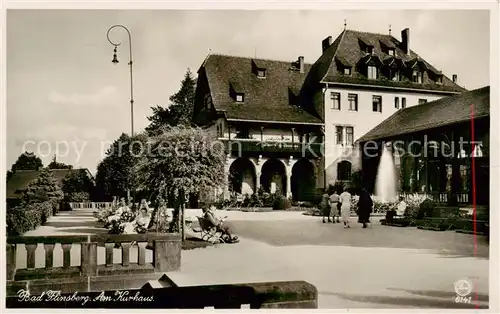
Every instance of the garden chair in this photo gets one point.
(208, 232)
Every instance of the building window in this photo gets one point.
(353, 102)
(417, 76)
(261, 73)
(395, 75)
(347, 71)
(240, 97)
(439, 80)
(422, 101)
(403, 102)
(218, 130)
(377, 103)
(335, 97)
(396, 102)
(391, 52)
(369, 49)
(344, 171)
(349, 132)
(372, 72)
(340, 135)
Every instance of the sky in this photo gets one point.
(65, 97)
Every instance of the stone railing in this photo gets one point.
(88, 275)
(265, 295)
(442, 197)
(92, 205)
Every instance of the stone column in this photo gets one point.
(288, 182)
(227, 166)
(258, 172)
(288, 167)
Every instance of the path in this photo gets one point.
(354, 268)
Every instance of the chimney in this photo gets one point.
(405, 40)
(454, 78)
(327, 42)
(301, 64)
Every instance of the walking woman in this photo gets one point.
(345, 209)
(324, 207)
(334, 202)
(365, 205)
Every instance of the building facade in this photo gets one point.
(293, 126)
(440, 148)
(359, 81)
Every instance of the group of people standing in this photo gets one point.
(337, 206)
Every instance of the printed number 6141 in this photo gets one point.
(459, 299)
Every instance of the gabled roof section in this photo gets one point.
(237, 87)
(258, 64)
(387, 43)
(21, 178)
(438, 113)
(265, 100)
(347, 47)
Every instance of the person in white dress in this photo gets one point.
(345, 209)
(140, 224)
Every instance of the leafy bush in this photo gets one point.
(26, 217)
(281, 203)
(413, 202)
(78, 197)
(426, 208)
(103, 213)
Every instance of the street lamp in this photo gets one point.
(115, 61)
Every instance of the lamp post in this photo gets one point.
(115, 61)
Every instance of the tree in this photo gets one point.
(27, 161)
(58, 165)
(180, 110)
(42, 188)
(115, 173)
(77, 186)
(182, 161)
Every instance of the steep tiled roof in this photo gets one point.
(438, 113)
(266, 99)
(21, 178)
(346, 49)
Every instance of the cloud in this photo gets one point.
(102, 96)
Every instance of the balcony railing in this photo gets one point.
(241, 146)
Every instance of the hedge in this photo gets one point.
(24, 218)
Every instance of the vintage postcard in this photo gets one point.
(259, 159)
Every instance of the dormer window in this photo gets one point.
(417, 76)
(395, 75)
(372, 72)
(237, 92)
(439, 79)
(391, 52)
(347, 70)
(259, 68)
(366, 46)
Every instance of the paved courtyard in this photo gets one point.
(378, 267)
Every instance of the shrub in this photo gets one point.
(426, 208)
(413, 202)
(282, 203)
(78, 197)
(26, 217)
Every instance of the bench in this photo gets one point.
(208, 232)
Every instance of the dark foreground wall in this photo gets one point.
(289, 294)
